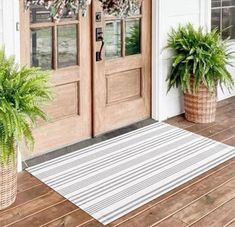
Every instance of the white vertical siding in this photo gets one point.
(9, 16)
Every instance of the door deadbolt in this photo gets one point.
(98, 17)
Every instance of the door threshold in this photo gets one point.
(86, 143)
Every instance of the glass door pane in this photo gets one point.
(112, 39)
(133, 34)
(41, 48)
(67, 45)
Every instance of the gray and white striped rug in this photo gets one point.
(112, 178)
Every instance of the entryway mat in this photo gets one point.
(114, 177)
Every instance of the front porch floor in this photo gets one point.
(208, 200)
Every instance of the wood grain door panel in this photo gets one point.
(123, 86)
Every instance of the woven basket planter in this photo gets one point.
(200, 107)
(8, 183)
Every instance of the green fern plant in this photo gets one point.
(201, 56)
(23, 91)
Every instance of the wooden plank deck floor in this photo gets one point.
(206, 201)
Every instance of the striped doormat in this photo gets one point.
(112, 178)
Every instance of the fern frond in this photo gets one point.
(201, 55)
(23, 92)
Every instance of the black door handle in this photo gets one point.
(99, 38)
(99, 53)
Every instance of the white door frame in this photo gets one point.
(155, 59)
(157, 92)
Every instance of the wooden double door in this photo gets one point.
(100, 67)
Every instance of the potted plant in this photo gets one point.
(199, 64)
(23, 90)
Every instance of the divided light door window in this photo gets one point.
(122, 37)
(53, 45)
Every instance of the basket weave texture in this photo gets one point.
(201, 106)
(8, 183)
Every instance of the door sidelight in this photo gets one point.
(99, 38)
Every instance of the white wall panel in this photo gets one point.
(180, 7)
(8, 19)
(170, 14)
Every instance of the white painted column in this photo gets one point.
(11, 38)
(156, 64)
